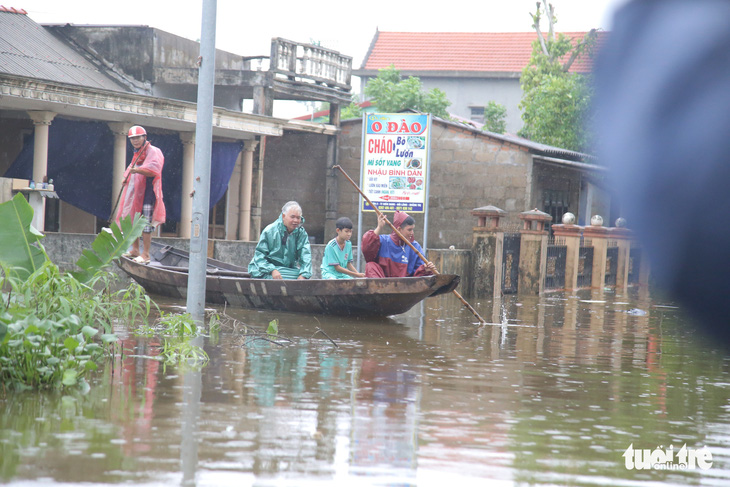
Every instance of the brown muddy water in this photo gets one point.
(559, 390)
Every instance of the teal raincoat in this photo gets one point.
(289, 253)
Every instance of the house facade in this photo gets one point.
(472, 68)
(68, 95)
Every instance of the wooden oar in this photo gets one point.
(119, 196)
(468, 306)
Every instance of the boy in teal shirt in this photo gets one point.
(337, 260)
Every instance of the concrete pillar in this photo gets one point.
(644, 270)
(188, 174)
(331, 176)
(244, 200)
(533, 251)
(263, 100)
(570, 234)
(41, 121)
(598, 235)
(487, 252)
(623, 242)
(257, 188)
(119, 162)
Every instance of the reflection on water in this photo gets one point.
(553, 392)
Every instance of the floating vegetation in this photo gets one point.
(55, 327)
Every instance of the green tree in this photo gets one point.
(352, 110)
(391, 94)
(555, 103)
(494, 117)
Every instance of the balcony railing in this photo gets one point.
(310, 63)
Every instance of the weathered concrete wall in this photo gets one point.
(532, 262)
(149, 56)
(454, 262)
(486, 255)
(294, 169)
(138, 50)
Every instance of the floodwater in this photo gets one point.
(558, 390)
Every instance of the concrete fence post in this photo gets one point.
(598, 235)
(570, 234)
(623, 242)
(533, 251)
(487, 252)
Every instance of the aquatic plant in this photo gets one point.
(179, 351)
(17, 249)
(178, 330)
(178, 324)
(54, 329)
(55, 326)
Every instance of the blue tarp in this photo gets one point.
(80, 160)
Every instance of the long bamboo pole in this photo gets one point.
(468, 306)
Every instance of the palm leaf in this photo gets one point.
(19, 247)
(109, 246)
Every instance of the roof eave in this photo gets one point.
(18, 93)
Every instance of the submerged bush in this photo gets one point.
(54, 329)
(54, 326)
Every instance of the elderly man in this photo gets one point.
(283, 250)
(142, 191)
(386, 255)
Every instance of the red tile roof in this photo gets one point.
(13, 10)
(459, 51)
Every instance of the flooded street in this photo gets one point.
(558, 390)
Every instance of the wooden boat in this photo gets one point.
(167, 275)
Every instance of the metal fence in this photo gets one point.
(634, 265)
(585, 265)
(510, 263)
(557, 252)
(611, 263)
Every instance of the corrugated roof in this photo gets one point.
(29, 50)
(459, 51)
(546, 151)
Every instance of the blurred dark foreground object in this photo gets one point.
(663, 127)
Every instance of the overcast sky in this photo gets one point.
(246, 28)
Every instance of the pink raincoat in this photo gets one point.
(148, 157)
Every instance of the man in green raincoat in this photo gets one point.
(283, 250)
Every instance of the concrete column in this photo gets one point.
(41, 121)
(331, 176)
(244, 201)
(644, 270)
(623, 242)
(257, 188)
(570, 234)
(188, 174)
(598, 234)
(120, 131)
(487, 252)
(533, 251)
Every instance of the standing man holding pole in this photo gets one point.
(142, 190)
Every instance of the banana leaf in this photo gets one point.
(108, 246)
(20, 249)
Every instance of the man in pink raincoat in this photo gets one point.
(142, 191)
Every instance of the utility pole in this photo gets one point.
(201, 183)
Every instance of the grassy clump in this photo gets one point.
(54, 329)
